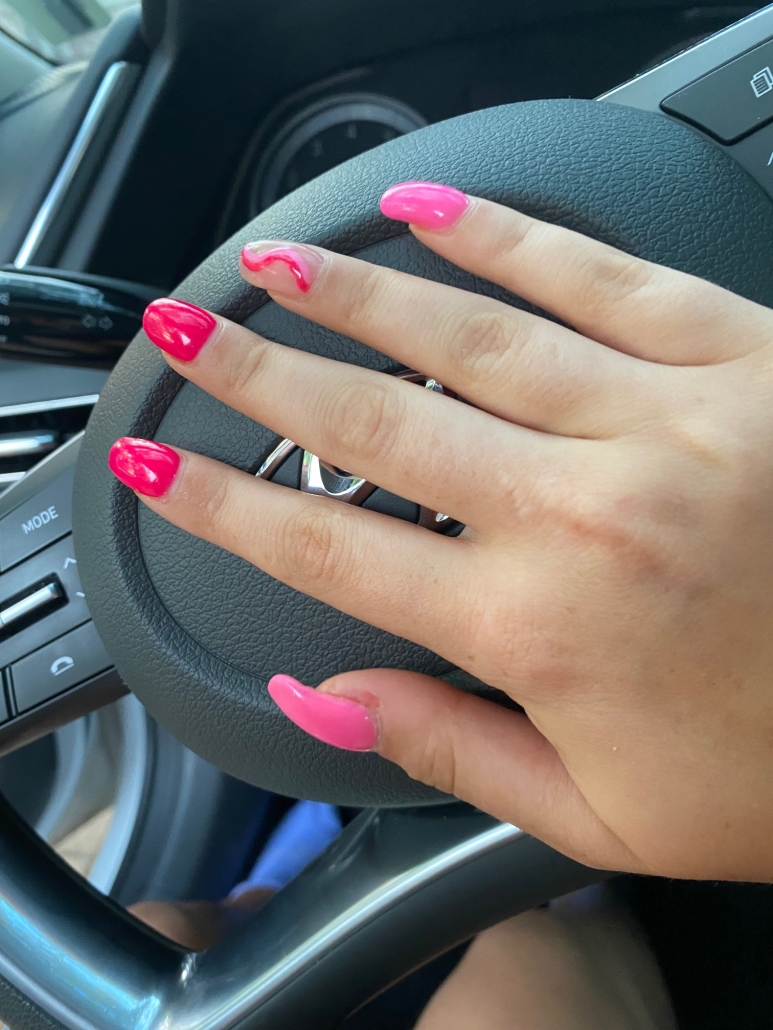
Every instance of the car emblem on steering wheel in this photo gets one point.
(325, 480)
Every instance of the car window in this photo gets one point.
(61, 31)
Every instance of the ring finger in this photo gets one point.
(413, 442)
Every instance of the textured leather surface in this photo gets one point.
(19, 1013)
(196, 632)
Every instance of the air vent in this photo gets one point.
(28, 432)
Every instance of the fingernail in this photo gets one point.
(179, 328)
(333, 720)
(144, 465)
(427, 205)
(282, 267)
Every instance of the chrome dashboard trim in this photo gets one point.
(23, 445)
(56, 404)
(646, 91)
(107, 90)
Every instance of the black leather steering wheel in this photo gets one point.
(196, 632)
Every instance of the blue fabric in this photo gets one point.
(303, 833)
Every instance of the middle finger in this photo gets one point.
(421, 445)
(507, 361)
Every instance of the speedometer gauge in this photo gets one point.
(323, 136)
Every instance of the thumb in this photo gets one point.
(480, 752)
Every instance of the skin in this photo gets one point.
(200, 924)
(550, 968)
(616, 576)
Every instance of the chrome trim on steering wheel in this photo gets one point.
(89, 965)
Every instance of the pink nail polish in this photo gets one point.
(333, 720)
(179, 328)
(427, 205)
(144, 465)
(282, 267)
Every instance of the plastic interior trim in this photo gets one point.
(107, 90)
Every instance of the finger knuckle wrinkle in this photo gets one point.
(362, 303)
(485, 339)
(242, 376)
(218, 506)
(618, 279)
(309, 543)
(434, 762)
(520, 236)
(364, 419)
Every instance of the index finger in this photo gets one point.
(635, 306)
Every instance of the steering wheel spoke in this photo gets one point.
(387, 878)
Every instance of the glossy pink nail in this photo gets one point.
(331, 719)
(282, 267)
(144, 465)
(427, 205)
(179, 328)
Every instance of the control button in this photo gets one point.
(73, 658)
(55, 562)
(755, 154)
(31, 604)
(38, 522)
(731, 101)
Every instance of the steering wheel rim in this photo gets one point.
(51, 923)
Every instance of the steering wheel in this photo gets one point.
(196, 632)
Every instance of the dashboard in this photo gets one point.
(327, 122)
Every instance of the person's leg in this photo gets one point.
(580, 964)
(199, 924)
(302, 834)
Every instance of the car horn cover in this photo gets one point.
(196, 632)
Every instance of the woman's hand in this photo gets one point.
(616, 481)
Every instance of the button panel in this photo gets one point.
(38, 522)
(57, 561)
(75, 657)
(731, 101)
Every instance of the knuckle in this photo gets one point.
(312, 544)
(361, 303)
(365, 418)
(485, 339)
(433, 760)
(518, 236)
(615, 278)
(218, 504)
(242, 375)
